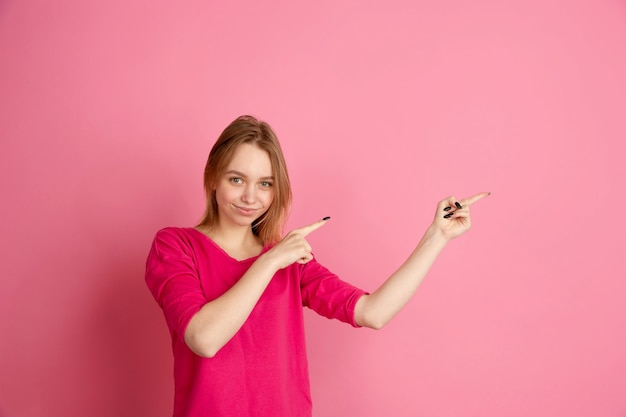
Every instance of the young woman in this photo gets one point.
(232, 288)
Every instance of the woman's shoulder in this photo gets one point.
(187, 235)
(174, 232)
(173, 240)
(170, 232)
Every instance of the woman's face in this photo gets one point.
(246, 189)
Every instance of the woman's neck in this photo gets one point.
(239, 242)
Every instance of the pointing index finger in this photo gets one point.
(471, 200)
(305, 230)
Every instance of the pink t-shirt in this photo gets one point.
(262, 370)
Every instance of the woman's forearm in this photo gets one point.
(218, 320)
(452, 219)
(377, 309)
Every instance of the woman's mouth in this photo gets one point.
(244, 211)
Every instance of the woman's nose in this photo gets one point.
(248, 195)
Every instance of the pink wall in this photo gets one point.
(107, 113)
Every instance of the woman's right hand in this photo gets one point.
(294, 247)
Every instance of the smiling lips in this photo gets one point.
(246, 211)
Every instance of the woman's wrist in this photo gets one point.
(436, 236)
(268, 261)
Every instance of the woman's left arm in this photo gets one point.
(452, 219)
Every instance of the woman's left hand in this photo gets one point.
(452, 218)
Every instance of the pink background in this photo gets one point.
(108, 111)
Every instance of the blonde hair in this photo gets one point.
(248, 129)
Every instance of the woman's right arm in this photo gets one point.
(218, 320)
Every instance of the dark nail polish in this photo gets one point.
(447, 216)
(458, 205)
(326, 218)
(447, 208)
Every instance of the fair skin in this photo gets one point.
(243, 194)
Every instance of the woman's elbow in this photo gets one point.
(373, 323)
(367, 316)
(201, 344)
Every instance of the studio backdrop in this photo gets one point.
(108, 111)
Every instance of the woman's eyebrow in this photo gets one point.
(235, 172)
(241, 174)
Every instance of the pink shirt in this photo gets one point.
(262, 370)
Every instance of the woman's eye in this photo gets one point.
(266, 184)
(236, 180)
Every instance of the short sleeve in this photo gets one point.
(326, 294)
(172, 278)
